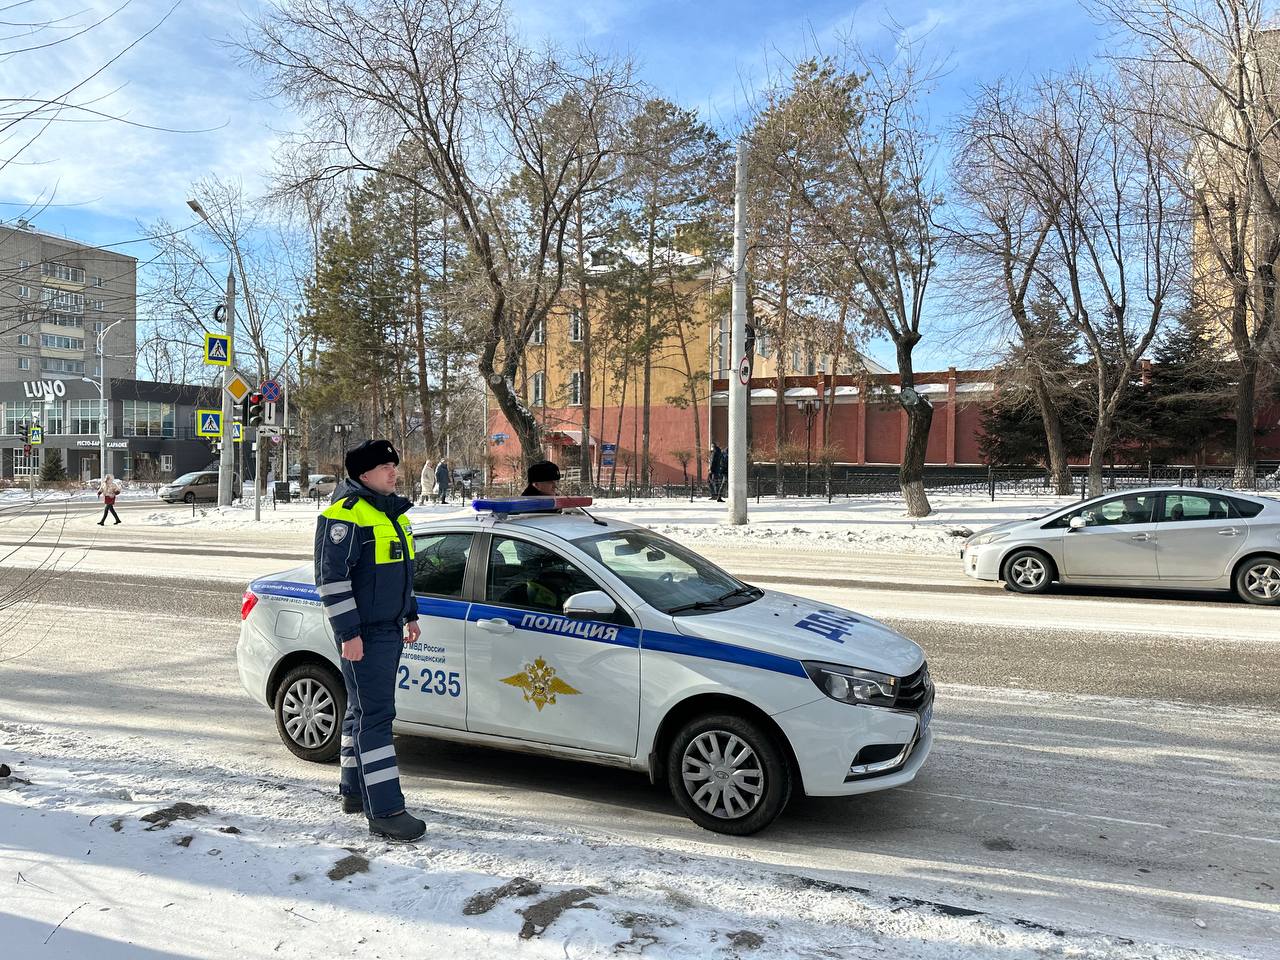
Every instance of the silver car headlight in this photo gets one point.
(852, 685)
(984, 538)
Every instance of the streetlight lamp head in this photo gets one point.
(195, 206)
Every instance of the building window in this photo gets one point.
(56, 341)
(23, 264)
(24, 363)
(166, 463)
(24, 339)
(52, 417)
(98, 305)
(24, 293)
(17, 412)
(575, 326)
(58, 365)
(97, 281)
(26, 465)
(63, 320)
(60, 271)
(62, 300)
(762, 346)
(84, 418)
(539, 334)
(146, 418)
(575, 389)
(810, 365)
(539, 389)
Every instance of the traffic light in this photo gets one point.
(24, 431)
(257, 410)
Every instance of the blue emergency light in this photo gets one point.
(529, 504)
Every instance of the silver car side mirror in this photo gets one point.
(1078, 523)
(592, 603)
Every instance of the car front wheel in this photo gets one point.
(728, 774)
(1027, 571)
(1258, 581)
(310, 703)
(189, 498)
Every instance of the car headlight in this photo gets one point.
(851, 685)
(984, 538)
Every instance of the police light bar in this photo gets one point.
(529, 504)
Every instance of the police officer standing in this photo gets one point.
(543, 477)
(364, 575)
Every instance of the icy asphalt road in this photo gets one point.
(1104, 761)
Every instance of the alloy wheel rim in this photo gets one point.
(1263, 581)
(310, 714)
(1028, 572)
(722, 774)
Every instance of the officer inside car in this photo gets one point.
(364, 575)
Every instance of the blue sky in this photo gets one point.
(102, 179)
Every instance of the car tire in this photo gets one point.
(1027, 571)
(1257, 580)
(310, 701)
(189, 498)
(691, 767)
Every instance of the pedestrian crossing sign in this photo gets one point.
(209, 423)
(217, 349)
(36, 436)
(237, 432)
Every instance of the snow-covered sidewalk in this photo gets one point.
(862, 524)
(114, 852)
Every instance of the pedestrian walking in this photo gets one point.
(442, 478)
(425, 480)
(719, 472)
(364, 575)
(108, 492)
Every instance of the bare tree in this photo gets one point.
(1216, 67)
(500, 129)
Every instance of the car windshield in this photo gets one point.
(669, 577)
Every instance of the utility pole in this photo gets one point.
(227, 463)
(740, 369)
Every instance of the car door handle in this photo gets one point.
(496, 625)
(1141, 536)
(1229, 532)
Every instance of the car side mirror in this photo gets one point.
(592, 603)
(1078, 523)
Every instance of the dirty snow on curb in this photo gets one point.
(864, 524)
(113, 852)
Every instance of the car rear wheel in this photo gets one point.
(1027, 571)
(1258, 581)
(310, 703)
(728, 774)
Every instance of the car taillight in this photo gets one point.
(249, 602)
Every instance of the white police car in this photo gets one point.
(562, 633)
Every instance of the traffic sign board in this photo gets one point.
(237, 432)
(26, 449)
(209, 423)
(217, 349)
(36, 436)
(238, 387)
(271, 391)
(744, 371)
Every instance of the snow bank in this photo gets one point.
(114, 851)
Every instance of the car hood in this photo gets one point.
(790, 626)
(1007, 525)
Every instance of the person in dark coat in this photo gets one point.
(719, 471)
(543, 477)
(442, 478)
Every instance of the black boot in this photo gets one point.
(351, 803)
(402, 827)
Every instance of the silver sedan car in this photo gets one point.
(1173, 538)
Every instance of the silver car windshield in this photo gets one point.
(666, 575)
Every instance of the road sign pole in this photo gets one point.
(226, 463)
(739, 385)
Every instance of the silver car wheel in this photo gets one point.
(1262, 580)
(722, 774)
(309, 713)
(1028, 572)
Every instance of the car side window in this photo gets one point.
(1127, 508)
(523, 574)
(1206, 507)
(440, 564)
(1244, 509)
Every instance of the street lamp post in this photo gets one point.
(101, 384)
(226, 460)
(809, 406)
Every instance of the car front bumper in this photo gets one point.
(982, 563)
(826, 736)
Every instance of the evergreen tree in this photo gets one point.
(52, 471)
